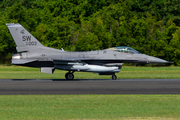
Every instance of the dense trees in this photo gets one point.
(150, 26)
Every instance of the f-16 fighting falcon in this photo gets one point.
(32, 53)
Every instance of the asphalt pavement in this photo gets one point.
(89, 86)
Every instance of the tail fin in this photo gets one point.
(23, 39)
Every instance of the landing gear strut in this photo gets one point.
(69, 75)
(114, 77)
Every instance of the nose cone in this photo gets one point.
(156, 60)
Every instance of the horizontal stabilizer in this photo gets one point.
(22, 61)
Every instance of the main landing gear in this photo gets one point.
(114, 77)
(69, 75)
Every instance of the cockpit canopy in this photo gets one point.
(125, 49)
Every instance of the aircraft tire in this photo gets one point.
(114, 77)
(69, 76)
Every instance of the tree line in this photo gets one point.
(150, 26)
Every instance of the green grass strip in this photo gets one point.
(89, 107)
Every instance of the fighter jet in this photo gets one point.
(32, 53)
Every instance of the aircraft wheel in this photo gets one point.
(69, 76)
(114, 77)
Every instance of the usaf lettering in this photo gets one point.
(28, 41)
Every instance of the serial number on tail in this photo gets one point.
(31, 43)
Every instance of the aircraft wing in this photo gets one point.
(66, 60)
(71, 60)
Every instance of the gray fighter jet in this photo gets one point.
(32, 53)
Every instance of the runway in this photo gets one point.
(89, 86)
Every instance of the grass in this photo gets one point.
(16, 72)
(97, 107)
(89, 107)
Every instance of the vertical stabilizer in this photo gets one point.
(23, 39)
